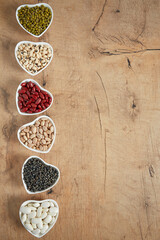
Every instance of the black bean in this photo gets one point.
(38, 176)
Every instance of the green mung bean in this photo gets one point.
(35, 19)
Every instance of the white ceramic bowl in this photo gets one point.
(17, 94)
(46, 165)
(30, 6)
(35, 201)
(35, 43)
(31, 123)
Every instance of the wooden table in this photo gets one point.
(105, 80)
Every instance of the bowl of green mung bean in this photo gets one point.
(35, 18)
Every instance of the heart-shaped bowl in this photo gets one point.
(34, 43)
(25, 186)
(36, 201)
(17, 94)
(31, 123)
(30, 6)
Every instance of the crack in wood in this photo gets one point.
(105, 159)
(119, 52)
(129, 63)
(99, 116)
(151, 171)
(105, 2)
(104, 92)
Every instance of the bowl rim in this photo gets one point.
(34, 43)
(39, 201)
(17, 94)
(31, 123)
(30, 6)
(25, 186)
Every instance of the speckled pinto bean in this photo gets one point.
(38, 136)
(31, 99)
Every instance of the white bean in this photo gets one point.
(32, 214)
(39, 211)
(26, 210)
(29, 226)
(53, 221)
(44, 214)
(45, 204)
(36, 205)
(44, 229)
(36, 231)
(40, 225)
(48, 219)
(36, 220)
(24, 217)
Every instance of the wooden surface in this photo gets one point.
(105, 79)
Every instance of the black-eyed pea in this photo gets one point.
(41, 130)
(27, 135)
(48, 139)
(45, 148)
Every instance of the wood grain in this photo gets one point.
(105, 80)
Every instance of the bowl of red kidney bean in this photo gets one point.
(32, 99)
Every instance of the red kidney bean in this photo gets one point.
(29, 101)
(34, 96)
(43, 107)
(35, 93)
(23, 84)
(34, 89)
(24, 109)
(38, 110)
(31, 84)
(39, 106)
(41, 95)
(24, 88)
(25, 96)
(28, 93)
(21, 91)
(38, 101)
(46, 105)
(32, 109)
(38, 89)
(21, 99)
(33, 105)
(44, 92)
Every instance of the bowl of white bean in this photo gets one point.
(33, 57)
(38, 217)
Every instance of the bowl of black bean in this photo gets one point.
(39, 176)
